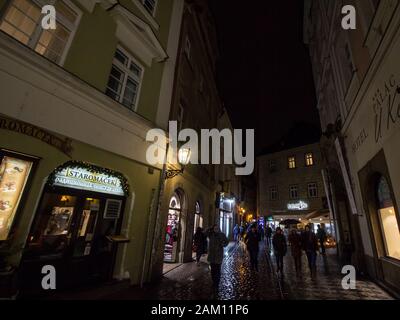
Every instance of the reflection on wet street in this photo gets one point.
(239, 282)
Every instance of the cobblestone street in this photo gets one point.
(192, 282)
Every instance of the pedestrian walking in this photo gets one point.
(261, 231)
(280, 248)
(310, 246)
(252, 244)
(268, 235)
(295, 248)
(321, 235)
(236, 232)
(199, 244)
(216, 243)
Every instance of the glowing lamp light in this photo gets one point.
(183, 159)
(184, 156)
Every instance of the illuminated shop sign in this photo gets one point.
(14, 174)
(301, 205)
(84, 179)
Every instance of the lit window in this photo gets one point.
(125, 78)
(150, 6)
(273, 193)
(388, 220)
(312, 190)
(293, 192)
(309, 159)
(22, 20)
(292, 162)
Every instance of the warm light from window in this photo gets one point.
(292, 162)
(309, 159)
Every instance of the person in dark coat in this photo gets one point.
(321, 235)
(268, 235)
(261, 231)
(252, 242)
(310, 246)
(295, 248)
(217, 242)
(200, 244)
(280, 249)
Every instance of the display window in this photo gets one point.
(388, 220)
(171, 237)
(15, 171)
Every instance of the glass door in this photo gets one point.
(86, 227)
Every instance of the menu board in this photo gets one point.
(14, 174)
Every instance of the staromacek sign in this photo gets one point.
(81, 178)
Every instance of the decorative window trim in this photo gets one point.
(137, 36)
(150, 17)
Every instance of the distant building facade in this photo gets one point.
(290, 186)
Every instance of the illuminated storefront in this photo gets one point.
(226, 209)
(76, 226)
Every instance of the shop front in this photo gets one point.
(226, 209)
(76, 227)
(173, 229)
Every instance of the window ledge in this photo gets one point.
(137, 36)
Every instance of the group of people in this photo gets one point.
(306, 241)
(251, 236)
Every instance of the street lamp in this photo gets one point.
(183, 159)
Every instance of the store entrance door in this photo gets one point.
(71, 232)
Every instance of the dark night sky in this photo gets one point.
(264, 72)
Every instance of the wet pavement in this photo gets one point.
(238, 282)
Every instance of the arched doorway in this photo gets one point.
(388, 219)
(171, 245)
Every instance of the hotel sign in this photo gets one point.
(298, 206)
(84, 179)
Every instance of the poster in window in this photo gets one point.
(59, 221)
(14, 174)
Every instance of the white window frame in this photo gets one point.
(312, 186)
(128, 73)
(153, 14)
(38, 31)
